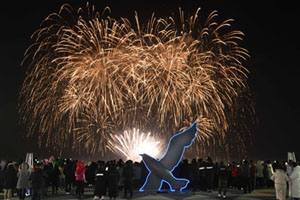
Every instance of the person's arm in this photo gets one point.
(287, 178)
(273, 177)
(293, 175)
(84, 179)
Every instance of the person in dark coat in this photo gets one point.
(54, 177)
(113, 179)
(222, 173)
(36, 182)
(10, 180)
(245, 176)
(253, 172)
(100, 182)
(128, 175)
(90, 173)
(47, 169)
(202, 174)
(194, 175)
(209, 174)
(69, 176)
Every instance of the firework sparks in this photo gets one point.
(131, 144)
(92, 75)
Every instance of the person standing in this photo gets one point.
(268, 171)
(80, 178)
(245, 176)
(62, 177)
(209, 174)
(201, 172)
(137, 175)
(100, 183)
(69, 176)
(260, 174)
(54, 177)
(23, 180)
(194, 175)
(222, 173)
(253, 173)
(113, 179)
(36, 182)
(10, 180)
(128, 175)
(280, 178)
(295, 182)
(46, 173)
(233, 174)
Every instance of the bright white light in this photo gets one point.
(131, 144)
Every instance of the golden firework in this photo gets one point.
(90, 75)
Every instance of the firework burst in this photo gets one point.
(132, 143)
(90, 76)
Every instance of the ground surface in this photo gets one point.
(264, 194)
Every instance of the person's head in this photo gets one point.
(222, 164)
(129, 162)
(80, 164)
(10, 167)
(37, 166)
(282, 166)
(209, 159)
(294, 164)
(245, 161)
(24, 166)
(276, 165)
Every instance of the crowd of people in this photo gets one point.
(112, 177)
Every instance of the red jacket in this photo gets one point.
(234, 171)
(80, 171)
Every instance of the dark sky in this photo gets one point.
(272, 37)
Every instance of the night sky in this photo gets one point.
(272, 38)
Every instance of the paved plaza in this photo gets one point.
(264, 194)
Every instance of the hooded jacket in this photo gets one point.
(23, 177)
(80, 171)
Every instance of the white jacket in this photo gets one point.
(280, 177)
(295, 182)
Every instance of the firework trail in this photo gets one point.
(90, 76)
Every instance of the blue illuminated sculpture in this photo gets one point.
(161, 170)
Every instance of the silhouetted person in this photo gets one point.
(100, 182)
(209, 174)
(36, 182)
(113, 179)
(54, 177)
(245, 176)
(69, 176)
(222, 173)
(128, 175)
(194, 175)
(10, 180)
(253, 172)
(201, 172)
